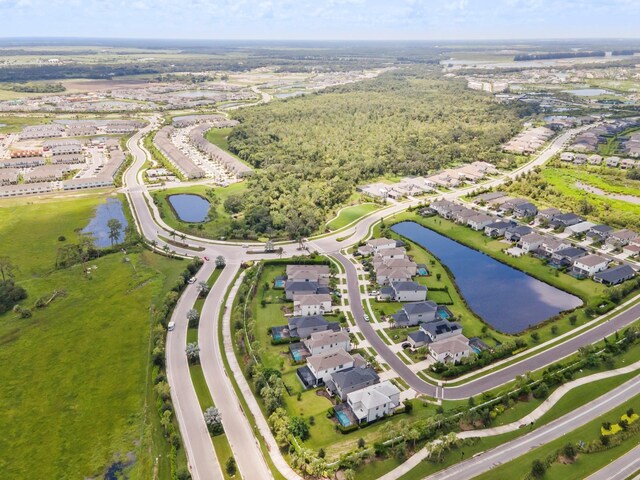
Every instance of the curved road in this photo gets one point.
(201, 456)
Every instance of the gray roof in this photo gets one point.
(616, 274)
(500, 224)
(420, 307)
(520, 230)
(602, 228)
(419, 337)
(307, 322)
(354, 377)
(441, 326)
(571, 252)
(408, 287)
(302, 287)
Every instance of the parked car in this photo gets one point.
(206, 259)
(406, 345)
(171, 326)
(192, 280)
(366, 317)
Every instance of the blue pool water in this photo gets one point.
(296, 355)
(98, 226)
(276, 336)
(190, 208)
(475, 349)
(443, 314)
(422, 271)
(343, 419)
(279, 283)
(506, 298)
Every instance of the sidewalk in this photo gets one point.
(533, 416)
(261, 423)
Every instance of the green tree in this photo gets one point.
(115, 229)
(538, 469)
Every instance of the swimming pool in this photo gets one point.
(343, 419)
(276, 335)
(278, 283)
(443, 314)
(476, 350)
(423, 272)
(297, 356)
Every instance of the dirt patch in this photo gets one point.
(325, 394)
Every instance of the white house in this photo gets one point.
(315, 304)
(327, 341)
(531, 242)
(376, 401)
(379, 244)
(590, 264)
(408, 292)
(478, 222)
(452, 349)
(392, 253)
(322, 366)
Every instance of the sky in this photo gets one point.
(321, 19)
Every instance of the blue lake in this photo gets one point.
(190, 208)
(507, 299)
(98, 228)
(588, 92)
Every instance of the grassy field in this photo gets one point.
(584, 464)
(214, 228)
(79, 368)
(350, 214)
(15, 123)
(218, 136)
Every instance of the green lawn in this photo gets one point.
(215, 228)
(350, 214)
(78, 369)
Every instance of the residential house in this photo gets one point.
(308, 273)
(580, 228)
(452, 349)
(374, 402)
(391, 253)
(516, 232)
(323, 366)
(345, 382)
(379, 244)
(620, 238)
(524, 210)
(612, 161)
(531, 242)
(551, 245)
(292, 289)
(378, 262)
(580, 159)
(479, 221)
(9, 176)
(496, 229)
(567, 156)
(433, 331)
(590, 265)
(627, 163)
(415, 313)
(547, 214)
(594, 159)
(463, 215)
(327, 341)
(488, 197)
(510, 205)
(599, 233)
(304, 327)
(385, 275)
(406, 292)
(615, 275)
(631, 250)
(308, 305)
(567, 256)
(565, 220)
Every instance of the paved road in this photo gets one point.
(543, 435)
(198, 446)
(621, 468)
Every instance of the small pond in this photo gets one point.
(189, 208)
(98, 227)
(507, 299)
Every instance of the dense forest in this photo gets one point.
(523, 57)
(312, 151)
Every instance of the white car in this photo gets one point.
(192, 280)
(366, 317)
(171, 326)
